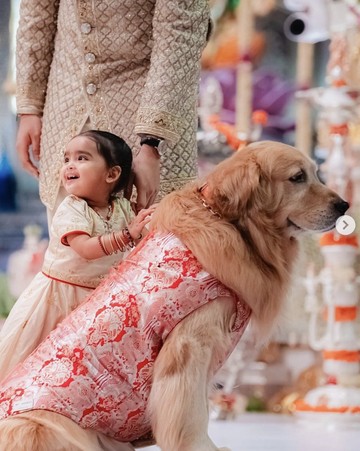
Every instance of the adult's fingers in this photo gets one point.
(28, 142)
(145, 199)
(146, 167)
(128, 189)
(140, 202)
(35, 145)
(23, 149)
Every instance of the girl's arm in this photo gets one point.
(86, 246)
(94, 247)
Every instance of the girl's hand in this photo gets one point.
(139, 222)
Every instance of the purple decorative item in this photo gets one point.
(271, 93)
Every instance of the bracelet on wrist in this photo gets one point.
(103, 248)
(112, 243)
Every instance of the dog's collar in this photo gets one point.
(204, 203)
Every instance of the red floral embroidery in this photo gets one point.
(96, 367)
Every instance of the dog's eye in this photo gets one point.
(300, 177)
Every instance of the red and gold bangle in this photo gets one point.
(111, 244)
(102, 245)
(120, 246)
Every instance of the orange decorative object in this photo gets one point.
(227, 130)
(342, 129)
(343, 314)
(343, 355)
(302, 406)
(338, 83)
(223, 49)
(333, 238)
(258, 117)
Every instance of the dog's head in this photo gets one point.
(276, 184)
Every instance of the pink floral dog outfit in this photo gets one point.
(96, 367)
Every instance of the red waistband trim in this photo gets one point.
(67, 282)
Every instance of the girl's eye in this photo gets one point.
(66, 160)
(300, 177)
(82, 157)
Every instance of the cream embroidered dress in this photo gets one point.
(65, 281)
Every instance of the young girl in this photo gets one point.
(90, 232)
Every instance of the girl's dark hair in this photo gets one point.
(115, 152)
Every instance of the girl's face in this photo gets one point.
(84, 172)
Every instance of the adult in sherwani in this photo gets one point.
(130, 67)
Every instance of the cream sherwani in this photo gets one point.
(127, 66)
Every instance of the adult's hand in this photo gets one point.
(146, 168)
(28, 142)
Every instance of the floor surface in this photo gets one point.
(268, 432)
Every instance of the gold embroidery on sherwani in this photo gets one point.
(100, 70)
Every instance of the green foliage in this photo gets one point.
(255, 404)
(232, 5)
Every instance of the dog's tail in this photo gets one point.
(43, 431)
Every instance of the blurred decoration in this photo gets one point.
(227, 406)
(271, 97)
(211, 141)
(223, 47)
(216, 132)
(337, 167)
(222, 50)
(250, 379)
(338, 105)
(7, 182)
(317, 21)
(338, 102)
(256, 403)
(313, 22)
(309, 22)
(339, 343)
(6, 299)
(26, 262)
(227, 402)
(231, 93)
(237, 140)
(333, 293)
(284, 401)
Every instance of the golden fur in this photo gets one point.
(252, 249)
(266, 195)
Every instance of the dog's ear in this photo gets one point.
(233, 186)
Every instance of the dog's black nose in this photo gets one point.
(341, 206)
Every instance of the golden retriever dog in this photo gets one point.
(138, 356)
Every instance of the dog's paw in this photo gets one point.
(224, 449)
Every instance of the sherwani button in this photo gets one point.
(90, 57)
(85, 28)
(91, 88)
